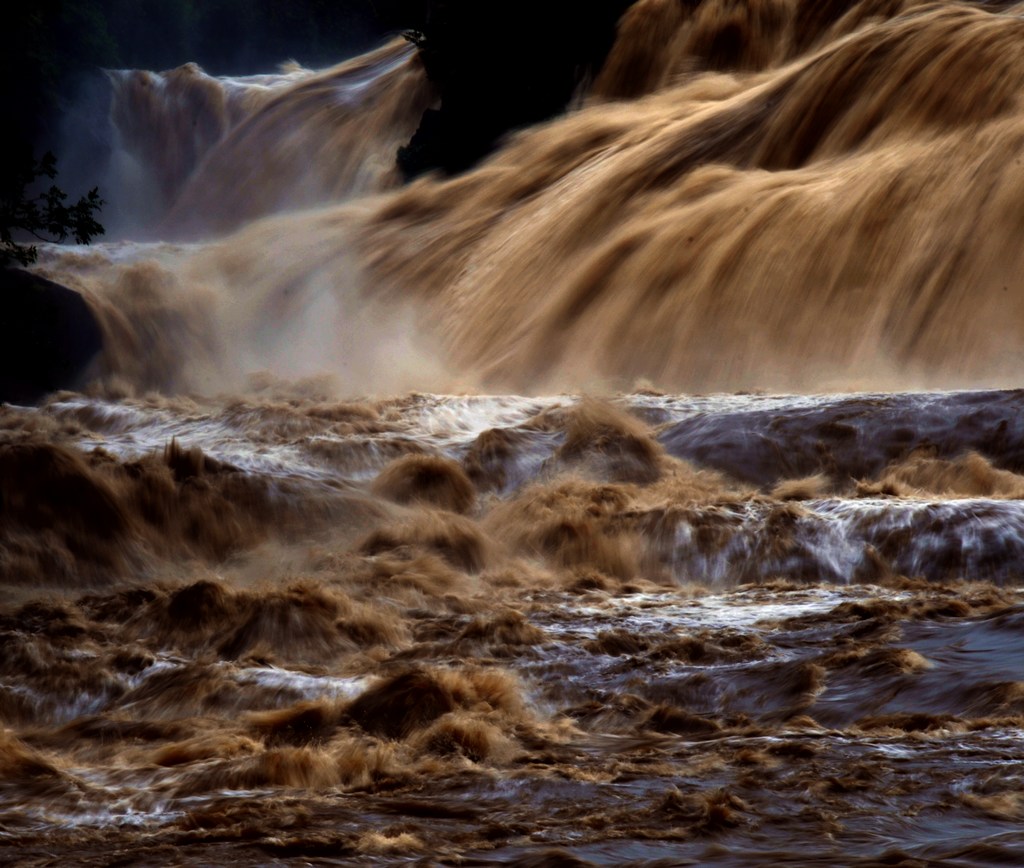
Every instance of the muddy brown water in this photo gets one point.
(261, 650)
(650, 495)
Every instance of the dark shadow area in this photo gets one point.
(47, 47)
(50, 336)
(499, 68)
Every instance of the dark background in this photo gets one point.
(48, 47)
(497, 66)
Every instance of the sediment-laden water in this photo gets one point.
(650, 494)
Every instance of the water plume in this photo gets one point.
(167, 123)
(860, 224)
(427, 479)
(971, 475)
(325, 139)
(456, 540)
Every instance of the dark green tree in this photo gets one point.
(43, 216)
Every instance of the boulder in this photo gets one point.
(49, 337)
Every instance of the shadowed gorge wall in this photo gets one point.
(497, 70)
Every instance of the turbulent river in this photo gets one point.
(652, 494)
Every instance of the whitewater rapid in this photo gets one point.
(648, 495)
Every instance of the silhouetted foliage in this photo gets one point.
(45, 215)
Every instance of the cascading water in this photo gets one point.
(577, 599)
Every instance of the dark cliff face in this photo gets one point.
(500, 67)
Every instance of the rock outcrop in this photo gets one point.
(50, 337)
(500, 68)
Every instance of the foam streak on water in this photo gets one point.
(468, 612)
